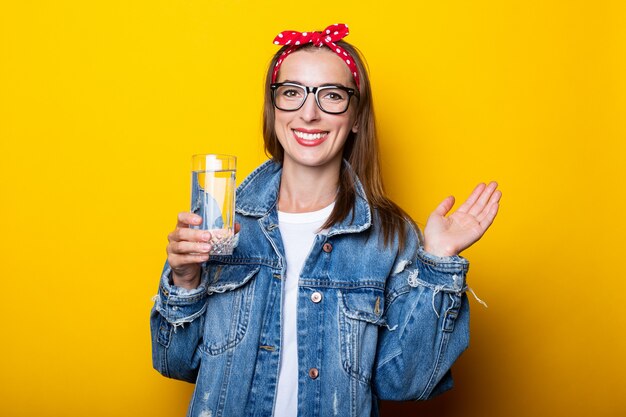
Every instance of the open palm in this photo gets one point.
(447, 236)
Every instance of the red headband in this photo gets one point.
(328, 37)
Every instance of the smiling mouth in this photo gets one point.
(309, 136)
(309, 139)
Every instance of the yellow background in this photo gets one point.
(102, 104)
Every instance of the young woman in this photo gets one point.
(332, 300)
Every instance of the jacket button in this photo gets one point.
(328, 248)
(314, 373)
(316, 297)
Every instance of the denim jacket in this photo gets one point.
(374, 322)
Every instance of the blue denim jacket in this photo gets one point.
(373, 322)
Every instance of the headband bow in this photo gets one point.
(328, 37)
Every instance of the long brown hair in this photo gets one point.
(360, 150)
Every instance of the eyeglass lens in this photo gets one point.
(329, 99)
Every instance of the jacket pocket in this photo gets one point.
(231, 292)
(360, 315)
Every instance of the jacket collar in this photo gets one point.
(258, 195)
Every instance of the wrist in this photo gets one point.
(441, 252)
(188, 283)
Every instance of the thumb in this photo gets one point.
(444, 207)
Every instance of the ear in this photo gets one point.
(355, 127)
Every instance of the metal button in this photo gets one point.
(314, 373)
(328, 248)
(316, 297)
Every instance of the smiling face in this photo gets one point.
(310, 137)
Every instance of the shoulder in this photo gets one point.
(267, 169)
(258, 193)
(404, 235)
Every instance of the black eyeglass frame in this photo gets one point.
(315, 91)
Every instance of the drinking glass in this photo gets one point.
(213, 198)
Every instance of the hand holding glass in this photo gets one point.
(213, 199)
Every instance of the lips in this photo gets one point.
(306, 137)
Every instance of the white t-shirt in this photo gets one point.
(298, 231)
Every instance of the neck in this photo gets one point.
(306, 189)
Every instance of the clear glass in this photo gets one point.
(213, 198)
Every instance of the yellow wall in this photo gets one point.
(102, 103)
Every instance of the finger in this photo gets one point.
(187, 218)
(494, 199)
(491, 215)
(176, 261)
(463, 208)
(484, 197)
(186, 248)
(191, 235)
(444, 207)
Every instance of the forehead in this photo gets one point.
(315, 66)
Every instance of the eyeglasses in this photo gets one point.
(332, 99)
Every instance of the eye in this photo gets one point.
(290, 92)
(333, 95)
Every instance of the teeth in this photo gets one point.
(309, 136)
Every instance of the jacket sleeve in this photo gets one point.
(426, 325)
(176, 324)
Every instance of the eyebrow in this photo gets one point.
(321, 85)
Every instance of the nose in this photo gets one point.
(309, 111)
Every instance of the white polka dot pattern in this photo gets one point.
(327, 37)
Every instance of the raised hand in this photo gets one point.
(187, 249)
(447, 236)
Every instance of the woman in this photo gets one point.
(331, 299)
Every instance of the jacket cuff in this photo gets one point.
(179, 305)
(445, 273)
